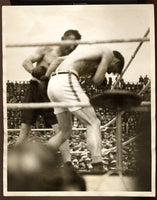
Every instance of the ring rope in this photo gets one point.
(76, 42)
(130, 61)
(106, 151)
(44, 105)
(52, 105)
(50, 129)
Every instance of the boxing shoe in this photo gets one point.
(69, 164)
(97, 168)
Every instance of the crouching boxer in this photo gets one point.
(64, 86)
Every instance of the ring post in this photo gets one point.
(118, 100)
(119, 164)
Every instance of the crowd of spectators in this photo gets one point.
(80, 155)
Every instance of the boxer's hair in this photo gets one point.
(118, 55)
(72, 32)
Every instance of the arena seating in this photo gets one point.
(80, 154)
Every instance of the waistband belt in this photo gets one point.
(53, 74)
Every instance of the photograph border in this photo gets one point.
(6, 2)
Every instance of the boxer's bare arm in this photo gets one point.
(28, 63)
(53, 66)
(100, 72)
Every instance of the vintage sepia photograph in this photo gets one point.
(79, 100)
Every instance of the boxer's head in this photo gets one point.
(70, 35)
(117, 63)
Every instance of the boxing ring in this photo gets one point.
(133, 101)
(99, 100)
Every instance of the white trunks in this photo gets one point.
(65, 87)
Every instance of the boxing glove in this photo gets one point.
(39, 71)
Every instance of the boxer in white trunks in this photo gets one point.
(64, 87)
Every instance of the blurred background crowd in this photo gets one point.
(80, 155)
